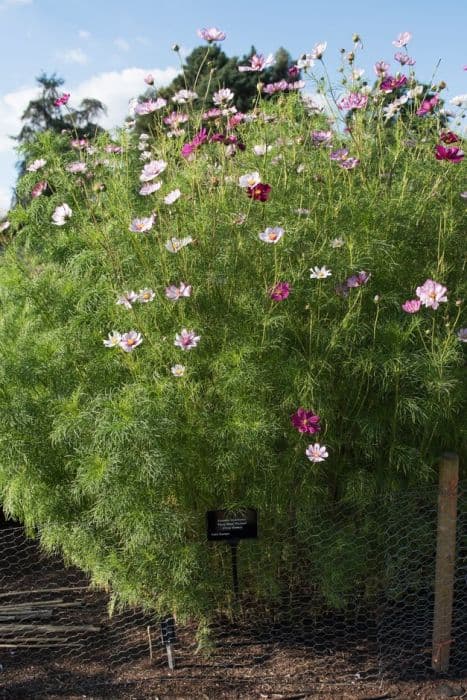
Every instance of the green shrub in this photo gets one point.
(114, 460)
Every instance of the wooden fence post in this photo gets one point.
(445, 560)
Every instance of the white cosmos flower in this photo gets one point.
(261, 149)
(172, 196)
(61, 214)
(249, 180)
(113, 340)
(173, 245)
(178, 370)
(320, 273)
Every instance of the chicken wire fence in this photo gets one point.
(51, 618)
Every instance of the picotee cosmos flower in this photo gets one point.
(271, 234)
(431, 294)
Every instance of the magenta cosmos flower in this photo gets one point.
(431, 294)
(391, 83)
(306, 421)
(186, 339)
(39, 188)
(280, 291)
(62, 100)
(211, 34)
(411, 306)
(454, 154)
(316, 452)
(427, 106)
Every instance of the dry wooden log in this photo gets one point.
(44, 590)
(26, 615)
(50, 628)
(30, 604)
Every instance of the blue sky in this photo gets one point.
(103, 48)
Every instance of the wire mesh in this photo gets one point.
(55, 630)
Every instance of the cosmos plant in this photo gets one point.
(218, 309)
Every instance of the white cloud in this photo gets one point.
(122, 44)
(84, 34)
(74, 56)
(114, 89)
(5, 199)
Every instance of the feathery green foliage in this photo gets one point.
(115, 460)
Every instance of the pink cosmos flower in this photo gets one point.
(36, 165)
(149, 79)
(127, 299)
(294, 71)
(317, 452)
(354, 100)
(62, 100)
(259, 192)
(211, 34)
(175, 293)
(402, 40)
(142, 225)
(112, 148)
(129, 341)
(150, 106)
(339, 154)
(349, 163)
(186, 339)
(175, 119)
(280, 291)
(279, 86)
(152, 170)
(79, 144)
(357, 280)
(411, 306)
(391, 83)
(321, 137)
(404, 59)
(271, 235)
(76, 167)
(183, 96)
(431, 294)
(306, 421)
(150, 187)
(381, 69)
(39, 188)
(257, 63)
(427, 106)
(455, 155)
(462, 335)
